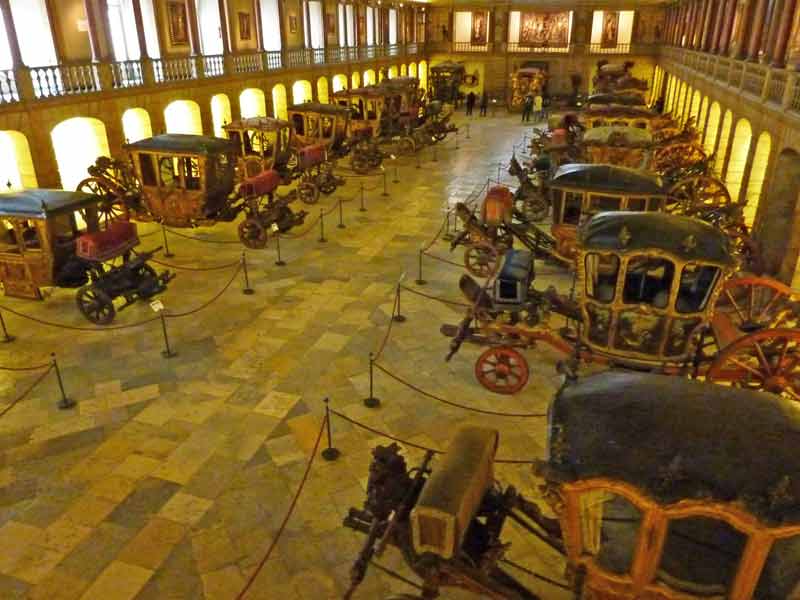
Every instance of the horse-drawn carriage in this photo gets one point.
(57, 238)
(616, 78)
(445, 79)
(654, 487)
(269, 144)
(654, 292)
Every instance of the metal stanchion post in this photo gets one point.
(322, 226)
(457, 146)
(341, 224)
(397, 317)
(363, 208)
(330, 453)
(167, 352)
(64, 402)
(371, 401)
(396, 174)
(247, 291)
(6, 337)
(468, 131)
(385, 188)
(419, 165)
(279, 262)
(420, 280)
(447, 235)
(435, 156)
(167, 253)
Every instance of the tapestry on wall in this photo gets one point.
(479, 35)
(610, 29)
(244, 26)
(544, 29)
(178, 23)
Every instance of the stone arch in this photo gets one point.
(712, 128)
(758, 172)
(252, 103)
(136, 125)
(412, 69)
(722, 145)
(423, 74)
(403, 70)
(302, 91)
(322, 90)
(694, 107)
(740, 148)
(392, 72)
(16, 162)
(73, 159)
(339, 82)
(183, 116)
(355, 80)
(778, 234)
(279, 101)
(702, 115)
(220, 113)
(369, 77)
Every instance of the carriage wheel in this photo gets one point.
(480, 260)
(767, 360)
(359, 163)
(95, 305)
(308, 192)
(755, 303)
(293, 160)
(406, 146)
(745, 248)
(252, 234)
(326, 183)
(694, 194)
(110, 207)
(502, 370)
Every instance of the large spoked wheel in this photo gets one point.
(111, 205)
(698, 194)
(252, 234)
(480, 260)
(406, 146)
(755, 303)
(767, 360)
(308, 192)
(326, 183)
(677, 157)
(502, 370)
(95, 305)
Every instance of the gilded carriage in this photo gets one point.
(616, 78)
(58, 238)
(653, 291)
(530, 80)
(445, 80)
(629, 147)
(640, 499)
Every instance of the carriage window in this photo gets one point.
(640, 124)
(598, 203)
(371, 110)
(297, 123)
(697, 283)
(167, 170)
(701, 556)
(648, 280)
(572, 207)
(781, 571)
(30, 235)
(637, 204)
(313, 127)
(327, 127)
(191, 173)
(601, 276)
(148, 169)
(609, 528)
(8, 237)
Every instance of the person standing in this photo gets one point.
(484, 103)
(470, 103)
(538, 107)
(527, 108)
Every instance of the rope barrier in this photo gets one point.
(288, 515)
(396, 575)
(25, 393)
(379, 353)
(422, 392)
(198, 269)
(444, 260)
(197, 239)
(437, 299)
(209, 302)
(412, 444)
(23, 369)
(311, 226)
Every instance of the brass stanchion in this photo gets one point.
(330, 453)
(420, 280)
(362, 208)
(167, 352)
(247, 291)
(397, 317)
(385, 188)
(371, 401)
(64, 402)
(322, 239)
(167, 253)
(279, 262)
(6, 336)
(341, 224)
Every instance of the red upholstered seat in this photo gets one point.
(311, 156)
(262, 184)
(119, 237)
(498, 205)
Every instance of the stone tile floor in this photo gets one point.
(170, 477)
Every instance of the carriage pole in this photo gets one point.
(330, 453)
(6, 337)
(362, 208)
(65, 402)
(341, 224)
(167, 253)
(322, 226)
(247, 291)
(279, 262)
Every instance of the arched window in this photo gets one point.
(252, 103)
(279, 102)
(73, 158)
(722, 146)
(301, 92)
(740, 148)
(339, 83)
(220, 114)
(136, 125)
(322, 90)
(712, 128)
(16, 162)
(757, 174)
(183, 116)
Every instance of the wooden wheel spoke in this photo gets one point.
(735, 305)
(747, 367)
(763, 359)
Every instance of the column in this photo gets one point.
(259, 25)
(740, 46)
(99, 49)
(137, 16)
(11, 34)
(770, 33)
(784, 31)
(705, 36)
(727, 27)
(223, 22)
(696, 24)
(719, 17)
(194, 31)
(756, 29)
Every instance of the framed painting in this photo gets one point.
(292, 23)
(178, 23)
(610, 33)
(479, 29)
(244, 26)
(544, 29)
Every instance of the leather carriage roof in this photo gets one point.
(258, 123)
(184, 143)
(608, 178)
(677, 438)
(41, 203)
(318, 107)
(684, 237)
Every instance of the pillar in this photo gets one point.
(697, 23)
(784, 31)
(224, 25)
(11, 34)
(137, 15)
(194, 30)
(756, 29)
(705, 36)
(719, 17)
(727, 27)
(770, 32)
(260, 26)
(98, 36)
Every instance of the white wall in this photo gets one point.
(624, 35)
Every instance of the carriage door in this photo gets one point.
(26, 262)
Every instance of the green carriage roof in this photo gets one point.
(42, 203)
(608, 178)
(683, 237)
(258, 124)
(183, 143)
(677, 438)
